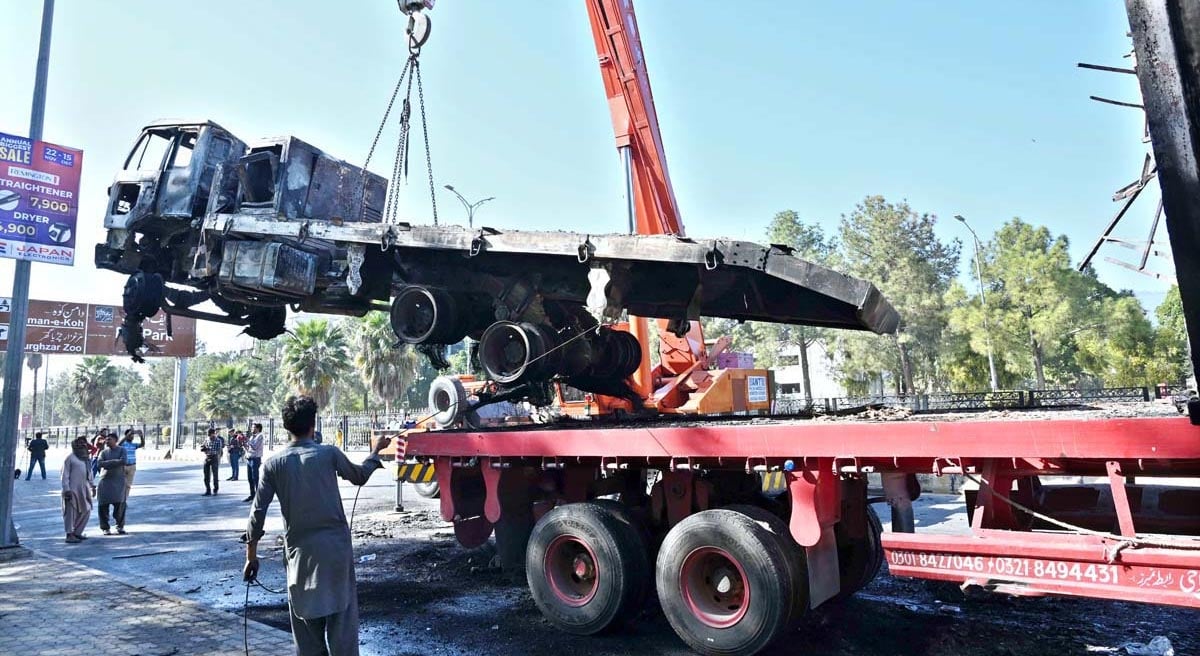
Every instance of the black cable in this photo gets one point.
(246, 620)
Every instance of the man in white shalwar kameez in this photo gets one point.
(319, 556)
(77, 490)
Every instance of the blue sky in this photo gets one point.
(960, 108)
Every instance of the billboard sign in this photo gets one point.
(39, 200)
(90, 329)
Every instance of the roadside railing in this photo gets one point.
(960, 401)
(351, 431)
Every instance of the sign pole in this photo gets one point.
(10, 406)
(178, 402)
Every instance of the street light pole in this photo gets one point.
(471, 207)
(10, 404)
(987, 330)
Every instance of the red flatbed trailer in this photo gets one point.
(745, 524)
(505, 480)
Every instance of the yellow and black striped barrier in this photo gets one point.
(773, 483)
(416, 472)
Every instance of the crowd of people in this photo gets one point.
(101, 468)
(322, 596)
(238, 445)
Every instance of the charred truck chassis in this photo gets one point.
(198, 215)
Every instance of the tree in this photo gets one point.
(34, 362)
(151, 401)
(1116, 352)
(1170, 363)
(314, 356)
(1035, 298)
(229, 391)
(94, 382)
(387, 369)
(895, 248)
(807, 242)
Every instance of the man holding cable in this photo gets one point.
(322, 596)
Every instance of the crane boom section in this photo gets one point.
(635, 123)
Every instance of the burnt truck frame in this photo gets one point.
(258, 227)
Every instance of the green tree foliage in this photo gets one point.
(1036, 303)
(387, 369)
(94, 381)
(895, 248)
(151, 402)
(1170, 363)
(230, 391)
(963, 352)
(315, 356)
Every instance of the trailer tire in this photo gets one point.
(628, 516)
(587, 569)
(860, 560)
(797, 557)
(447, 400)
(430, 490)
(718, 576)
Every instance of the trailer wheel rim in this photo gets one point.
(715, 587)
(571, 570)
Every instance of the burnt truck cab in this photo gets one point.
(181, 176)
(163, 187)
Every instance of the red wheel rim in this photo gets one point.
(714, 587)
(571, 569)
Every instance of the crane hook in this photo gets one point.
(419, 25)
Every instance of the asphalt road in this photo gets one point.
(178, 541)
(419, 593)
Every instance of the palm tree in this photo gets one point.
(94, 381)
(314, 355)
(229, 391)
(386, 368)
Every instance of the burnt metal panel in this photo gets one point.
(1166, 39)
(659, 273)
(269, 266)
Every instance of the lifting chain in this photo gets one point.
(411, 71)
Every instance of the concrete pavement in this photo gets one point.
(51, 606)
(171, 587)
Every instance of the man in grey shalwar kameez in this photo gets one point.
(77, 490)
(112, 485)
(322, 596)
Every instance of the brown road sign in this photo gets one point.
(104, 321)
(87, 329)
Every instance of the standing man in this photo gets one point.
(254, 454)
(322, 596)
(212, 449)
(112, 485)
(37, 454)
(77, 490)
(236, 449)
(131, 448)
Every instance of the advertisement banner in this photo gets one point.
(39, 200)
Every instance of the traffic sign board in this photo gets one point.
(90, 329)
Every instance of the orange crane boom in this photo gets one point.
(652, 207)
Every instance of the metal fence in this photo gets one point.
(157, 433)
(954, 401)
(1059, 397)
(349, 431)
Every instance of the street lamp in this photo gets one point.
(471, 207)
(987, 331)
